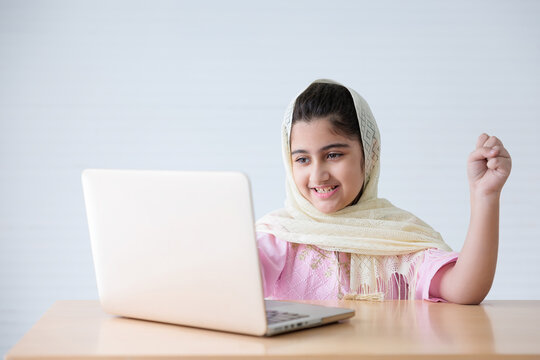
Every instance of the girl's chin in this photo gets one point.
(327, 208)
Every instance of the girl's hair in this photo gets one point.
(328, 100)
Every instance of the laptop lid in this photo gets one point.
(176, 247)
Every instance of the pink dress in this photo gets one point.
(306, 272)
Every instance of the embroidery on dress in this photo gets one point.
(317, 257)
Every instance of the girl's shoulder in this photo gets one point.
(274, 246)
(268, 243)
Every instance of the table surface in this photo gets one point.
(388, 329)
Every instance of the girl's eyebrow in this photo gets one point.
(324, 148)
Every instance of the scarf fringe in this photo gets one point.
(398, 285)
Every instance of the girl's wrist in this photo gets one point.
(480, 197)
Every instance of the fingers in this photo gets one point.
(500, 164)
(501, 151)
(492, 142)
(487, 141)
(483, 153)
(492, 159)
(482, 140)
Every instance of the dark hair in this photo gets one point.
(328, 100)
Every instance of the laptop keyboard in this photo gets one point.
(273, 316)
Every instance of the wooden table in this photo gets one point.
(389, 329)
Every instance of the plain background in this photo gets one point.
(202, 85)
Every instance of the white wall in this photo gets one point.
(203, 85)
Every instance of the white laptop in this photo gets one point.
(179, 247)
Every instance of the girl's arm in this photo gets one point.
(468, 280)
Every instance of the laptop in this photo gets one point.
(179, 247)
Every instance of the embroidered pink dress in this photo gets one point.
(306, 272)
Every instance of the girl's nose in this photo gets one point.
(319, 174)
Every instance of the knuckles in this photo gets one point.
(492, 140)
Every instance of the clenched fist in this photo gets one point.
(488, 166)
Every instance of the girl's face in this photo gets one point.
(327, 168)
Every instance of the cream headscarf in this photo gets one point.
(370, 228)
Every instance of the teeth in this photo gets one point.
(325, 190)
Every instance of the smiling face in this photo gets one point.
(327, 167)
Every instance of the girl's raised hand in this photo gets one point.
(488, 166)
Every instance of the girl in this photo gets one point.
(335, 239)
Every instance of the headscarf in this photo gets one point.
(369, 229)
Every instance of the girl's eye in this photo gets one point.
(301, 160)
(334, 155)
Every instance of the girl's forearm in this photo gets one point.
(469, 280)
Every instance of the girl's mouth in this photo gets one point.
(325, 192)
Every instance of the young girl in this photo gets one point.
(335, 239)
